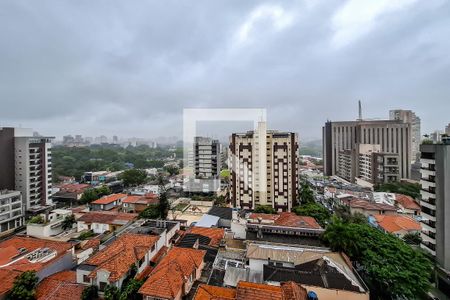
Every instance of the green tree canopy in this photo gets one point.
(265, 209)
(111, 292)
(150, 212)
(390, 267)
(90, 293)
(24, 287)
(68, 222)
(412, 238)
(406, 188)
(315, 210)
(130, 291)
(306, 194)
(133, 177)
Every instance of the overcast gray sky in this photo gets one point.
(130, 67)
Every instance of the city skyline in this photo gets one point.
(131, 70)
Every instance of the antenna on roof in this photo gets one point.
(359, 111)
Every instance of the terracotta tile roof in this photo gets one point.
(109, 199)
(14, 252)
(147, 199)
(92, 243)
(107, 217)
(169, 276)
(292, 220)
(407, 202)
(367, 205)
(7, 278)
(287, 219)
(131, 199)
(215, 234)
(397, 223)
(210, 292)
(60, 286)
(161, 253)
(117, 257)
(74, 187)
(258, 291)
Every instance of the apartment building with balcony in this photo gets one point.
(207, 159)
(25, 165)
(264, 166)
(435, 206)
(11, 211)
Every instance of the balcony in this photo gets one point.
(429, 247)
(426, 173)
(427, 195)
(428, 204)
(427, 227)
(428, 216)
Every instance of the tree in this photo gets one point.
(150, 212)
(90, 293)
(89, 195)
(111, 292)
(133, 177)
(172, 170)
(37, 220)
(315, 210)
(306, 194)
(265, 209)
(164, 204)
(405, 188)
(412, 238)
(130, 291)
(24, 287)
(390, 267)
(86, 234)
(343, 213)
(103, 191)
(68, 222)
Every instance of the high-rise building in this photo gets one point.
(264, 165)
(11, 211)
(25, 165)
(408, 116)
(447, 129)
(344, 139)
(207, 160)
(435, 205)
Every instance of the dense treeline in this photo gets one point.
(69, 161)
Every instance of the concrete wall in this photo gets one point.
(331, 294)
(41, 230)
(65, 262)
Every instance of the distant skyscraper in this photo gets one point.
(264, 166)
(435, 204)
(409, 116)
(25, 165)
(342, 143)
(115, 139)
(447, 129)
(207, 162)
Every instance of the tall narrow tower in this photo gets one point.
(359, 111)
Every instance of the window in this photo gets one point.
(86, 279)
(102, 286)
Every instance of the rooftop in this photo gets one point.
(286, 219)
(118, 257)
(215, 234)
(147, 199)
(60, 286)
(109, 199)
(107, 217)
(367, 205)
(169, 276)
(397, 223)
(221, 212)
(407, 202)
(27, 253)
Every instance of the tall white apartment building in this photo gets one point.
(435, 207)
(408, 116)
(264, 165)
(206, 158)
(25, 165)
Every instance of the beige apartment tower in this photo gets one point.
(264, 166)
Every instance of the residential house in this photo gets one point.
(203, 238)
(70, 192)
(137, 204)
(104, 221)
(108, 202)
(368, 208)
(407, 205)
(252, 291)
(60, 286)
(19, 254)
(174, 276)
(113, 264)
(52, 224)
(398, 225)
(328, 274)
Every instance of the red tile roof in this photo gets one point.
(210, 292)
(147, 199)
(109, 199)
(74, 187)
(287, 219)
(168, 278)
(291, 290)
(367, 205)
(397, 223)
(14, 252)
(60, 286)
(118, 257)
(215, 234)
(7, 278)
(407, 202)
(107, 217)
(258, 291)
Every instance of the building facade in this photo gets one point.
(435, 206)
(207, 159)
(264, 168)
(345, 138)
(11, 211)
(408, 116)
(25, 165)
